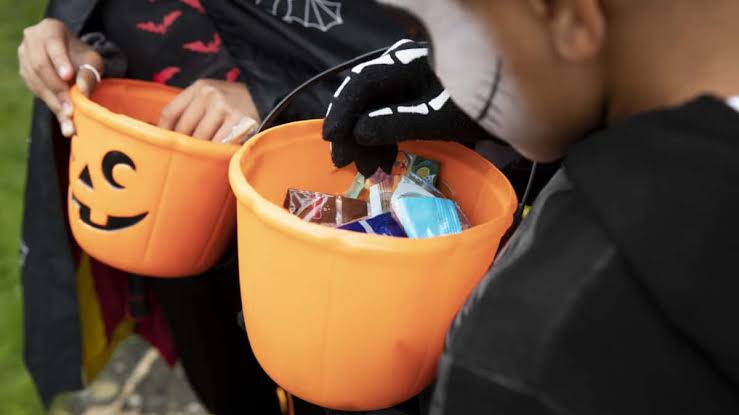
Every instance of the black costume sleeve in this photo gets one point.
(470, 390)
(114, 61)
(51, 312)
(617, 293)
(278, 47)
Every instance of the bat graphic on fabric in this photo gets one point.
(318, 14)
(195, 4)
(160, 28)
(166, 74)
(211, 47)
(233, 75)
(315, 14)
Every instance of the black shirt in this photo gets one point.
(617, 294)
(167, 41)
(278, 44)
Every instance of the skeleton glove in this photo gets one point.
(393, 98)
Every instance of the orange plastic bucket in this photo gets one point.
(143, 199)
(347, 320)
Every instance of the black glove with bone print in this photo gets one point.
(393, 98)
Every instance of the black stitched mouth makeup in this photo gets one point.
(492, 92)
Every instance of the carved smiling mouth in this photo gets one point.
(115, 223)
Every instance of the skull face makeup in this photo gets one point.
(504, 75)
(470, 66)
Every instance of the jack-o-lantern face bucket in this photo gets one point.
(143, 199)
(347, 320)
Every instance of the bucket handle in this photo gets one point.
(269, 120)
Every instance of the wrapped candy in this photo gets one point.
(427, 217)
(383, 224)
(324, 209)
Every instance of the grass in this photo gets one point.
(17, 394)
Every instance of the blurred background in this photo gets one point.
(17, 396)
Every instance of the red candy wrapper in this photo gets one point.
(324, 209)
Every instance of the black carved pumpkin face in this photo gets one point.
(107, 191)
(110, 161)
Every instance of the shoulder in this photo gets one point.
(541, 291)
(562, 321)
(558, 252)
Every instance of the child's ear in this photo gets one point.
(577, 27)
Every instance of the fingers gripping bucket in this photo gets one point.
(144, 199)
(346, 320)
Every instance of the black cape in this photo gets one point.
(618, 293)
(321, 34)
(276, 48)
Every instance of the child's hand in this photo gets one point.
(393, 98)
(210, 110)
(49, 58)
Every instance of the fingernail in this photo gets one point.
(63, 70)
(67, 109)
(82, 85)
(67, 128)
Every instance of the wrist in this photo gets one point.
(115, 62)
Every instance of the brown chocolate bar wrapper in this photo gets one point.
(324, 209)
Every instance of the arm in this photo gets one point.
(468, 389)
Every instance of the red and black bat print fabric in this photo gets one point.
(167, 41)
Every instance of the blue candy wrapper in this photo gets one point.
(427, 217)
(383, 224)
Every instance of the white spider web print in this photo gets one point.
(317, 14)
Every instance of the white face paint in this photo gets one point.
(471, 68)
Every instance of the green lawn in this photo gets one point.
(17, 396)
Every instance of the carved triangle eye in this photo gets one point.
(85, 177)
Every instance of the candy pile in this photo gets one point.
(405, 203)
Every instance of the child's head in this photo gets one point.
(542, 73)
